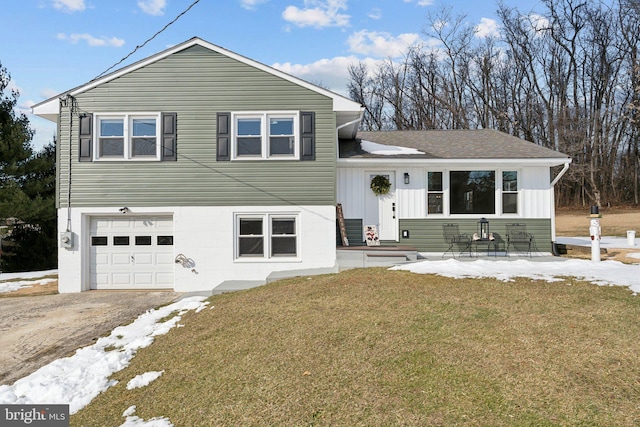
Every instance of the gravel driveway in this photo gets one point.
(36, 330)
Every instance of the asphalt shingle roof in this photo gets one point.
(450, 144)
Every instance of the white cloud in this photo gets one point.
(13, 86)
(48, 93)
(381, 44)
(251, 4)
(152, 7)
(538, 23)
(330, 73)
(317, 13)
(92, 41)
(439, 25)
(69, 5)
(487, 27)
(375, 13)
(421, 2)
(45, 130)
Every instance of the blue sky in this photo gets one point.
(50, 46)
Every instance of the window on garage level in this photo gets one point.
(266, 236)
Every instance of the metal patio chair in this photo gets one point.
(455, 239)
(517, 236)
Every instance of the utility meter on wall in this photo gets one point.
(66, 240)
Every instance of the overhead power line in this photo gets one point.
(147, 41)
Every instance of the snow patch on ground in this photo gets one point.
(14, 286)
(9, 281)
(143, 380)
(135, 421)
(600, 273)
(78, 379)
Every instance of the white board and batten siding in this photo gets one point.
(410, 199)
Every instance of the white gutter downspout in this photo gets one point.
(553, 201)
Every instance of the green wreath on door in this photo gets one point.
(380, 185)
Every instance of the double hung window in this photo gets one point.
(127, 137)
(265, 135)
(509, 192)
(434, 193)
(266, 236)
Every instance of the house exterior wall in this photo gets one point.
(535, 203)
(206, 236)
(196, 83)
(534, 194)
(427, 235)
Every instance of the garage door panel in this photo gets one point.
(101, 279)
(121, 224)
(101, 259)
(144, 258)
(163, 258)
(131, 252)
(144, 279)
(120, 259)
(121, 279)
(99, 224)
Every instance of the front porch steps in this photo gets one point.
(374, 256)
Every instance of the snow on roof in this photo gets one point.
(387, 150)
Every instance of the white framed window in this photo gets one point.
(435, 193)
(265, 135)
(509, 192)
(127, 136)
(266, 236)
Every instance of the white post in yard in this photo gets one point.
(595, 231)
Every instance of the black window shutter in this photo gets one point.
(85, 138)
(307, 136)
(169, 136)
(223, 136)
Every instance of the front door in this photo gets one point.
(381, 210)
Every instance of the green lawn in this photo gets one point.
(384, 348)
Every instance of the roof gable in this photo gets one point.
(50, 108)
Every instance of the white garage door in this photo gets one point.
(131, 252)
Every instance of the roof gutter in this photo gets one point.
(451, 162)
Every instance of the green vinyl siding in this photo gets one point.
(354, 232)
(197, 83)
(426, 234)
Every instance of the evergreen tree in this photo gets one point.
(27, 191)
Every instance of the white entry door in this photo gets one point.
(131, 252)
(381, 210)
